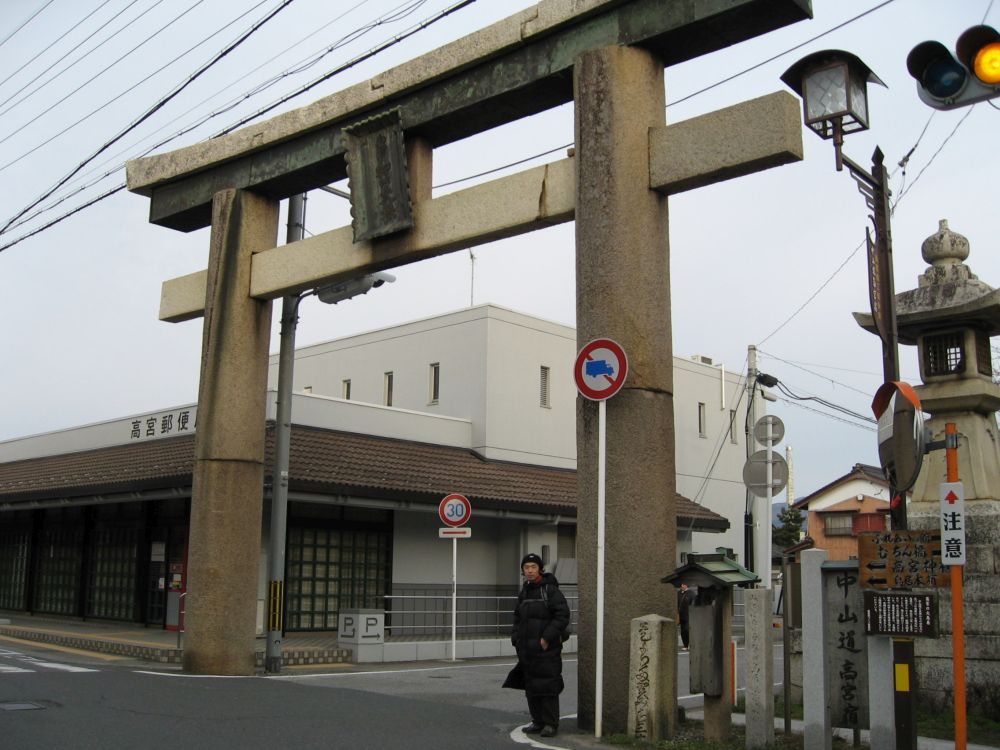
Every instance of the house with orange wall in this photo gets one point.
(837, 512)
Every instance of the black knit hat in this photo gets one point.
(531, 557)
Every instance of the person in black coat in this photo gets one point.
(541, 617)
(685, 598)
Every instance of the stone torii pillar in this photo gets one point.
(221, 601)
(623, 293)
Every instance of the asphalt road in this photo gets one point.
(64, 699)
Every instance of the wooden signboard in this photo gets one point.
(901, 559)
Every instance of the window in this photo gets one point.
(345, 389)
(841, 524)
(387, 389)
(732, 427)
(701, 420)
(435, 382)
(543, 387)
(944, 353)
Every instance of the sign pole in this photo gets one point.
(601, 474)
(454, 595)
(454, 511)
(599, 371)
(957, 605)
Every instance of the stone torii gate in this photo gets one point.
(608, 56)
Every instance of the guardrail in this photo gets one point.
(481, 615)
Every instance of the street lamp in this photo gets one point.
(331, 295)
(833, 85)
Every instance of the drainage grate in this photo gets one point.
(19, 706)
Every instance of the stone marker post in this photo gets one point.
(708, 664)
(227, 496)
(623, 293)
(759, 660)
(652, 681)
(814, 683)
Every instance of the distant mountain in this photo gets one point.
(776, 509)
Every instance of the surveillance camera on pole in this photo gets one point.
(334, 293)
(972, 75)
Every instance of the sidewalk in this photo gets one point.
(570, 736)
(155, 644)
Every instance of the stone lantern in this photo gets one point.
(950, 317)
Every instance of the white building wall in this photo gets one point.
(490, 556)
(490, 360)
(518, 427)
(715, 450)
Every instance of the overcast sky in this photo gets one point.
(775, 259)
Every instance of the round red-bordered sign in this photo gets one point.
(455, 510)
(600, 370)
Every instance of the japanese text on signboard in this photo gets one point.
(163, 424)
(901, 559)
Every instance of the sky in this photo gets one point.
(774, 259)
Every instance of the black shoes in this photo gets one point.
(541, 730)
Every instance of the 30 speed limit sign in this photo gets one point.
(455, 510)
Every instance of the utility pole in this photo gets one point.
(748, 550)
(282, 441)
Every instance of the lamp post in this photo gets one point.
(833, 85)
(331, 295)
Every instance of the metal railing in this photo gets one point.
(409, 616)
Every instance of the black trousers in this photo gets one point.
(544, 709)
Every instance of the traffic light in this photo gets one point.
(971, 75)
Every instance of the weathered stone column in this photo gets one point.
(759, 659)
(623, 293)
(652, 698)
(221, 603)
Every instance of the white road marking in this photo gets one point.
(4, 669)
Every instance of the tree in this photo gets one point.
(788, 532)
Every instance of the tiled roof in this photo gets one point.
(323, 461)
(858, 471)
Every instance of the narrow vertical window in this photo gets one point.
(435, 382)
(387, 389)
(543, 388)
(701, 420)
(345, 389)
(732, 426)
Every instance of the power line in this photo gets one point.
(52, 44)
(25, 23)
(350, 64)
(395, 40)
(828, 404)
(115, 98)
(75, 62)
(796, 404)
(149, 112)
(224, 108)
(818, 375)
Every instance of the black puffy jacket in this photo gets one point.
(541, 612)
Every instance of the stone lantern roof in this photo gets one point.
(948, 293)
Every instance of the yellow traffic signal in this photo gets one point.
(972, 75)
